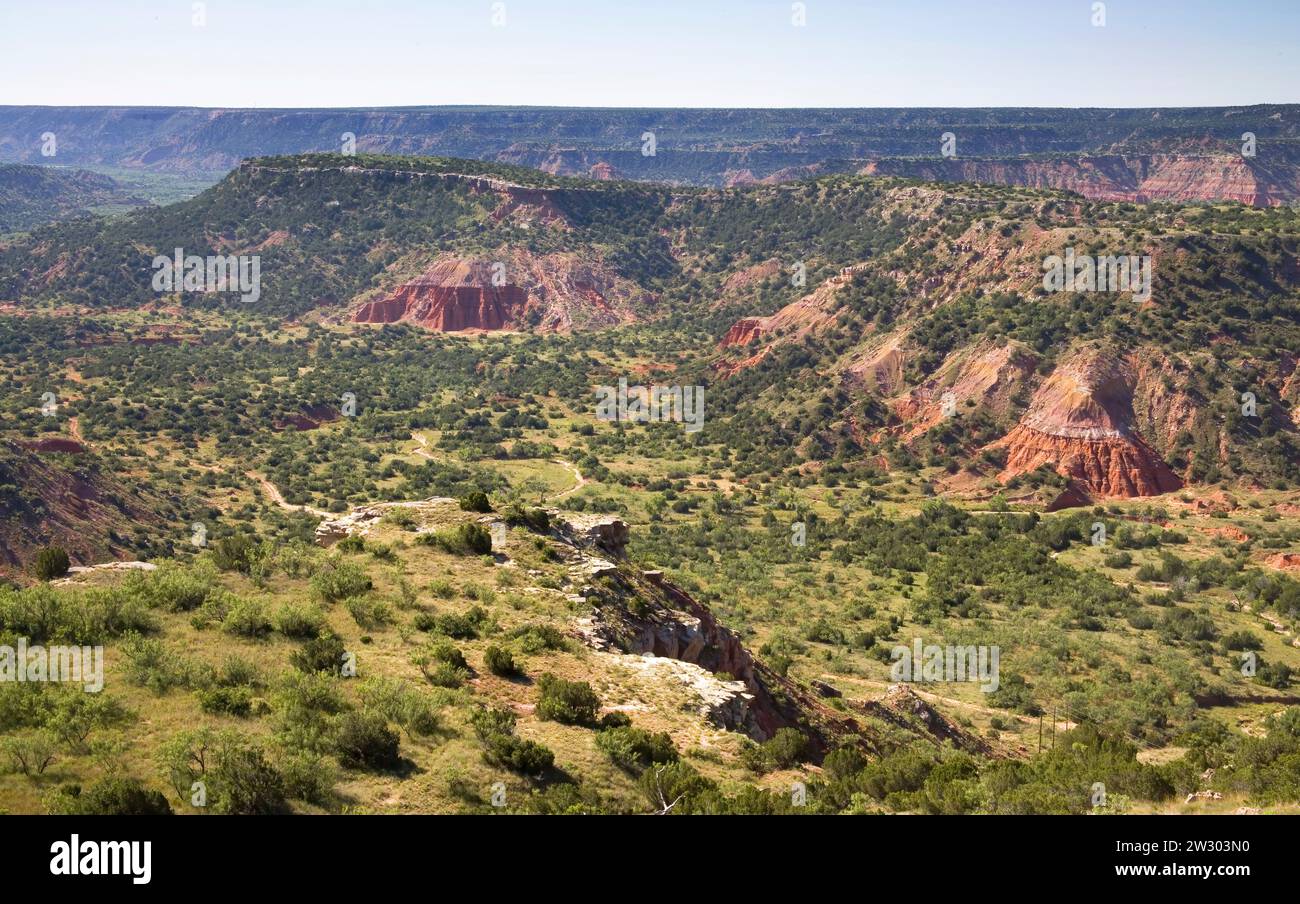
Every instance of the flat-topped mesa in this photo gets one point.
(1080, 422)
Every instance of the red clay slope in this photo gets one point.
(1081, 423)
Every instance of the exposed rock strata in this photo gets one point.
(1081, 423)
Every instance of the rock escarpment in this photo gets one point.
(1119, 177)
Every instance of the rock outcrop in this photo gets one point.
(607, 532)
(643, 615)
(744, 331)
(556, 292)
(1284, 561)
(750, 276)
(1080, 422)
(361, 519)
(902, 707)
(76, 502)
(796, 320)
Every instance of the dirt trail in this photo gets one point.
(1279, 628)
(578, 480)
(273, 493)
(423, 450)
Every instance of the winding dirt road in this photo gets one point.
(578, 480)
(273, 493)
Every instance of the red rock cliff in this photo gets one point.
(556, 292)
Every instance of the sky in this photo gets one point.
(667, 53)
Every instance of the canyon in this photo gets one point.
(1111, 154)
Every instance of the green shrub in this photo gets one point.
(500, 662)
(369, 614)
(535, 639)
(352, 543)
(236, 553)
(783, 750)
(1241, 640)
(307, 776)
(304, 707)
(461, 540)
(298, 620)
(51, 562)
(400, 516)
(171, 587)
(227, 768)
(414, 712)
(236, 671)
(295, 558)
(229, 701)
(44, 614)
(73, 714)
(843, 763)
(464, 626)
(447, 652)
(30, 753)
(535, 519)
(247, 618)
(614, 719)
(108, 797)
(633, 749)
(442, 664)
(492, 720)
(323, 653)
(475, 501)
(338, 579)
(364, 741)
(569, 702)
(495, 727)
(518, 755)
(150, 664)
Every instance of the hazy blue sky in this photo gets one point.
(640, 53)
